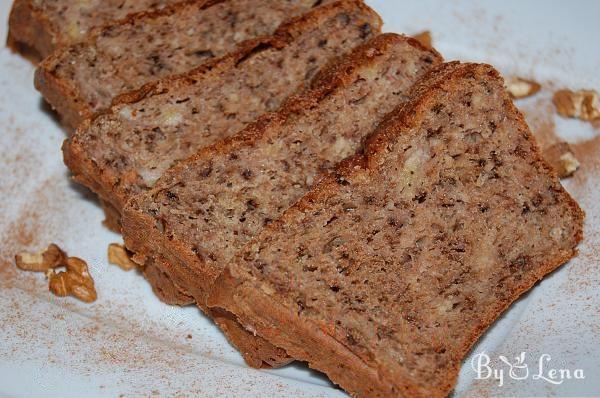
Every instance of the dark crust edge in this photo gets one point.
(61, 93)
(140, 227)
(30, 31)
(112, 218)
(305, 340)
(162, 286)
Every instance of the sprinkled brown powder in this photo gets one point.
(588, 154)
(21, 234)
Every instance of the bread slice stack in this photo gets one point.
(202, 211)
(83, 78)
(324, 192)
(123, 151)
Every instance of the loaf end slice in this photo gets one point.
(43, 26)
(388, 271)
(82, 79)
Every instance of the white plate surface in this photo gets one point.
(128, 343)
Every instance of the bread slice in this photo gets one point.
(82, 79)
(387, 272)
(205, 208)
(123, 151)
(44, 25)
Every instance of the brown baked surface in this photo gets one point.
(83, 78)
(44, 25)
(162, 286)
(388, 271)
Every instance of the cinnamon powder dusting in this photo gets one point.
(20, 235)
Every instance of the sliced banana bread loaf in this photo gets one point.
(214, 202)
(83, 78)
(44, 25)
(205, 208)
(124, 151)
(388, 271)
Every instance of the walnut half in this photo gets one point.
(582, 104)
(75, 281)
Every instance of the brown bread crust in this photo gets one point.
(257, 352)
(30, 32)
(162, 286)
(261, 309)
(112, 216)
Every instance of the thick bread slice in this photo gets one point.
(82, 79)
(123, 151)
(205, 208)
(44, 25)
(389, 270)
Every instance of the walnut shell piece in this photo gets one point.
(50, 258)
(424, 38)
(518, 87)
(582, 104)
(118, 255)
(561, 158)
